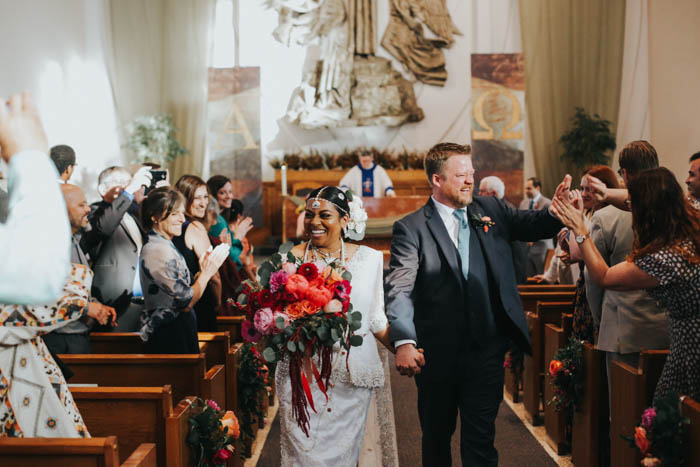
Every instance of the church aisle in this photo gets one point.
(515, 444)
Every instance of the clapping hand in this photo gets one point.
(598, 189)
(225, 237)
(212, 260)
(241, 227)
(569, 210)
(562, 190)
(20, 127)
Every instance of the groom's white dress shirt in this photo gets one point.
(35, 239)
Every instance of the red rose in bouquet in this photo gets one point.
(308, 270)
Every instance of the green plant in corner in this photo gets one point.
(152, 139)
(588, 141)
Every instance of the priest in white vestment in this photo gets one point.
(368, 179)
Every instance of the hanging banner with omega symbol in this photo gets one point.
(498, 119)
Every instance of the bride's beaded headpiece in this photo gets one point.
(355, 228)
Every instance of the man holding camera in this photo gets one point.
(115, 243)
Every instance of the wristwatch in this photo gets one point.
(582, 238)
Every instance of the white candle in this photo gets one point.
(284, 179)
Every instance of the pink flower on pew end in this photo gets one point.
(221, 456)
(648, 418)
(651, 462)
(250, 334)
(213, 405)
(507, 363)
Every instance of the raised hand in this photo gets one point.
(20, 127)
(598, 189)
(562, 190)
(570, 212)
(241, 227)
(212, 260)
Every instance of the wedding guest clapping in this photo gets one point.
(36, 202)
(665, 261)
(193, 243)
(170, 292)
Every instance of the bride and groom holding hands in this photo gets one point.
(449, 307)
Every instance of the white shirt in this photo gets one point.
(35, 240)
(452, 225)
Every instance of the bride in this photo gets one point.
(338, 426)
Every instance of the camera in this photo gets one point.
(156, 176)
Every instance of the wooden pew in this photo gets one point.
(546, 288)
(691, 409)
(534, 366)
(529, 299)
(556, 423)
(632, 391)
(72, 452)
(185, 373)
(233, 325)
(591, 425)
(134, 415)
(215, 345)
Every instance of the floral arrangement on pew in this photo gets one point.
(212, 433)
(515, 360)
(302, 310)
(661, 433)
(252, 382)
(567, 377)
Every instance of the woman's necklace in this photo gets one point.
(328, 257)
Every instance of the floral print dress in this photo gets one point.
(34, 398)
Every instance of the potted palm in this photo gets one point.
(588, 141)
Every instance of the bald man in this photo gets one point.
(73, 338)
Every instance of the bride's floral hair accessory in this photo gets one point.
(355, 228)
(347, 204)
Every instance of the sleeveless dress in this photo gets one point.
(679, 293)
(205, 308)
(337, 429)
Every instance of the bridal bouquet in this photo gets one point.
(303, 310)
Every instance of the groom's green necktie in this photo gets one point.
(463, 240)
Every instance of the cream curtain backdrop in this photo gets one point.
(633, 122)
(573, 57)
(159, 53)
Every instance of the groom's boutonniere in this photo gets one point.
(482, 221)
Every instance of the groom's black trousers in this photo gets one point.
(475, 388)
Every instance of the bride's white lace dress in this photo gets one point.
(337, 427)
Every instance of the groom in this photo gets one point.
(451, 290)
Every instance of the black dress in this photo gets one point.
(205, 308)
(167, 289)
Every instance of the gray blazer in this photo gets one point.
(630, 320)
(115, 257)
